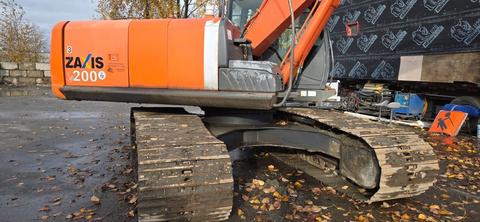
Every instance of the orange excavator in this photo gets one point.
(259, 73)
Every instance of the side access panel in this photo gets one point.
(148, 53)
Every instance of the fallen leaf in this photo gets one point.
(434, 208)
(72, 170)
(277, 205)
(316, 191)
(362, 218)
(255, 201)
(298, 185)
(422, 217)
(44, 218)
(406, 217)
(263, 207)
(133, 199)
(271, 167)
(331, 190)
(131, 213)
(444, 196)
(315, 209)
(240, 212)
(269, 190)
(344, 187)
(444, 212)
(385, 205)
(277, 195)
(266, 200)
(128, 171)
(257, 183)
(94, 199)
(44, 208)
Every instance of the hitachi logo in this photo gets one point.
(87, 63)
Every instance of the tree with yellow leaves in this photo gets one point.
(20, 40)
(150, 9)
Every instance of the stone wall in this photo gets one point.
(24, 74)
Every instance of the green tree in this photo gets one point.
(149, 9)
(20, 40)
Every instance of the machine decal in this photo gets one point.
(89, 62)
(86, 76)
(210, 55)
(80, 66)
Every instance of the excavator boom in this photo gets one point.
(273, 18)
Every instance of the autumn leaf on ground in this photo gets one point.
(271, 167)
(44, 208)
(316, 191)
(133, 199)
(95, 200)
(298, 184)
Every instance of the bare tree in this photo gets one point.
(20, 40)
(148, 9)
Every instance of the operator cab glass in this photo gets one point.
(240, 11)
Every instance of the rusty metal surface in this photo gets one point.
(184, 173)
(408, 164)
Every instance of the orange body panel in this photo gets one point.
(185, 53)
(56, 60)
(166, 53)
(148, 53)
(99, 39)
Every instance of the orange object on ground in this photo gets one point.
(448, 122)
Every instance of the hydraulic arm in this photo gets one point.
(272, 19)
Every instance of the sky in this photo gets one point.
(46, 13)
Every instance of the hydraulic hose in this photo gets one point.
(292, 57)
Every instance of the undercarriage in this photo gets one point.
(184, 169)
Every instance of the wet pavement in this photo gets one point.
(70, 161)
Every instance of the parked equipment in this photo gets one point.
(252, 95)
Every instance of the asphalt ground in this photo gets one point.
(71, 161)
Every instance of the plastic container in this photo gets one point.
(478, 129)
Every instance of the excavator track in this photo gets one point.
(407, 163)
(184, 173)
